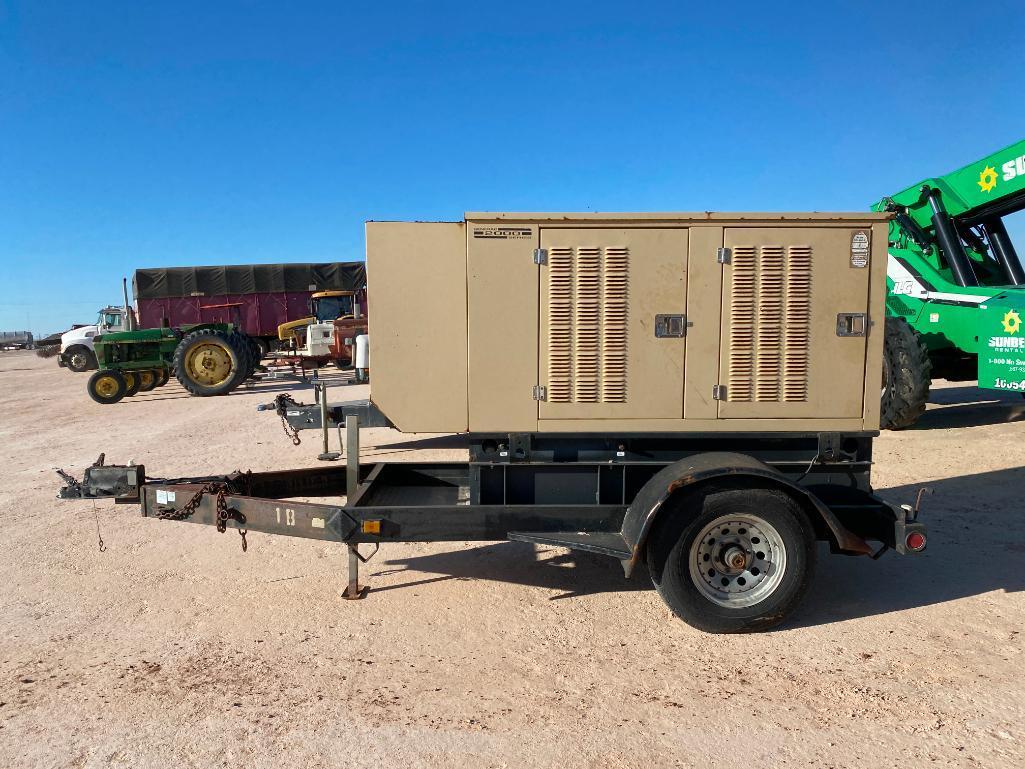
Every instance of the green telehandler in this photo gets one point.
(956, 287)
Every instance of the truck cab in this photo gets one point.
(77, 352)
(329, 332)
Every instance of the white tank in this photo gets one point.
(362, 351)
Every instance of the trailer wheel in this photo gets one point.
(207, 363)
(80, 359)
(732, 560)
(132, 380)
(107, 387)
(147, 380)
(907, 373)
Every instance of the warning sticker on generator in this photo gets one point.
(859, 249)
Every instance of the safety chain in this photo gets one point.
(224, 513)
(291, 432)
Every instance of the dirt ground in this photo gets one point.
(174, 649)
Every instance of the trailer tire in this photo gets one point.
(133, 382)
(80, 358)
(729, 560)
(907, 374)
(207, 362)
(107, 387)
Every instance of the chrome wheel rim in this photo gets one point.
(738, 560)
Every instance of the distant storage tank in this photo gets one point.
(16, 339)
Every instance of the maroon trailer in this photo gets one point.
(256, 297)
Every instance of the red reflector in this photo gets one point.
(915, 540)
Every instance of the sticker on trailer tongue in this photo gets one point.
(859, 249)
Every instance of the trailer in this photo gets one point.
(255, 298)
(694, 395)
(16, 340)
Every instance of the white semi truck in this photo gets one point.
(77, 351)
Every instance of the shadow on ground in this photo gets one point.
(968, 406)
(976, 545)
(572, 573)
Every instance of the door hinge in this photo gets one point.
(724, 255)
(540, 256)
(540, 392)
(718, 392)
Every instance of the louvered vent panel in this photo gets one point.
(742, 323)
(770, 317)
(560, 325)
(588, 313)
(797, 332)
(614, 317)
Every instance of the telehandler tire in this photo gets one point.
(732, 560)
(207, 362)
(107, 387)
(907, 374)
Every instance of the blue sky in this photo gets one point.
(167, 134)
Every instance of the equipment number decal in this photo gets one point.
(289, 515)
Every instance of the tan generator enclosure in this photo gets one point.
(620, 323)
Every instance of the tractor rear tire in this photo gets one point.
(207, 362)
(106, 387)
(244, 344)
(907, 374)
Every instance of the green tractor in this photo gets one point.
(207, 359)
(956, 286)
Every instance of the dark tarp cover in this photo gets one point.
(160, 283)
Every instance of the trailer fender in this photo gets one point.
(702, 468)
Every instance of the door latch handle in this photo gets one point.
(670, 326)
(851, 324)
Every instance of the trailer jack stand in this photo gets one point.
(354, 590)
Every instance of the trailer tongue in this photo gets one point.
(686, 392)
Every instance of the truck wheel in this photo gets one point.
(107, 386)
(207, 363)
(132, 381)
(732, 560)
(907, 373)
(147, 380)
(81, 359)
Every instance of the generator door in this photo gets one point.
(612, 323)
(794, 323)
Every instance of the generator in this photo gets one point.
(610, 323)
(692, 394)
